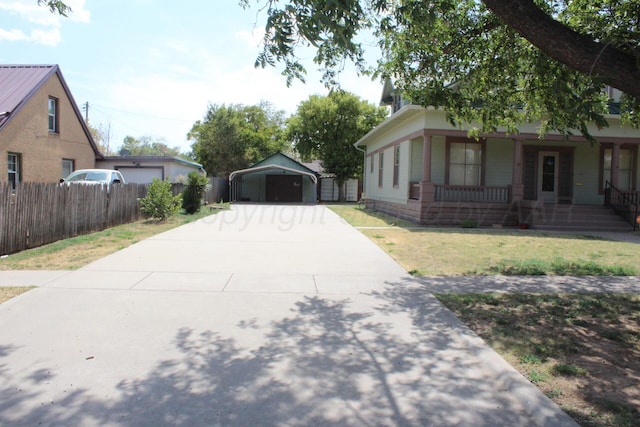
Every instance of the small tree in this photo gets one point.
(160, 203)
(192, 195)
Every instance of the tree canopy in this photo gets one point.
(520, 60)
(232, 137)
(326, 127)
(148, 146)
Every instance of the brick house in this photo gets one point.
(43, 136)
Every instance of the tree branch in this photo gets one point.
(575, 50)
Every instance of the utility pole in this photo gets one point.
(85, 107)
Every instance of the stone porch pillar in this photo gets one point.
(427, 188)
(517, 187)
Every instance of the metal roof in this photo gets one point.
(18, 83)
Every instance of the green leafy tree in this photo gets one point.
(232, 137)
(519, 60)
(160, 203)
(192, 195)
(326, 127)
(56, 6)
(148, 146)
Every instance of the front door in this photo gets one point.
(548, 176)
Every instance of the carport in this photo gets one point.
(277, 179)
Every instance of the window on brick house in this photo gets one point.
(67, 167)
(13, 168)
(53, 115)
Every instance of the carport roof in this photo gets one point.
(255, 169)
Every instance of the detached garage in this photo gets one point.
(143, 169)
(276, 179)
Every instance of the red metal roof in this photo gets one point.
(18, 83)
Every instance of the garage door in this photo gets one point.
(284, 188)
(142, 175)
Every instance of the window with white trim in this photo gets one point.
(53, 115)
(13, 168)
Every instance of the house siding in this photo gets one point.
(41, 151)
(498, 162)
(578, 176)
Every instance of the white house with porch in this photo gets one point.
(421, 168)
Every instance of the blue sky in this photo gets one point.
(152, 67)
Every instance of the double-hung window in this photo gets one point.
(53, 115)
(380, 168)
(465, 163)
(626, 166)
(67, 167)
(13, 167)
(396, 165)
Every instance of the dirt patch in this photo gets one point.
(582, 351)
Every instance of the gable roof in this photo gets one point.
(270, 163)
(269, 160)
(18, 84)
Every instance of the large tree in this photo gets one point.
(232, 137)
(325, 128)
(148, 146)
(519, 60)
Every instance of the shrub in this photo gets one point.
(160, 203)
(192, 195)
(469, 223)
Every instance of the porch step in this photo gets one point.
(578, 218)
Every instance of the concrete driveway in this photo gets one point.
(262, 315)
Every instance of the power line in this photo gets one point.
(144, 115)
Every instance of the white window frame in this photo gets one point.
(53, 114)
(13, 169)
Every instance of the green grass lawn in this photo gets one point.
(76, 252)
(435, 251)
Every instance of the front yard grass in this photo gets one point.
(446, 252)
(8, 292)
(76, 252)
(581, 350)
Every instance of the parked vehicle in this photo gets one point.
(94, 176)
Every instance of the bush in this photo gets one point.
(160, 203)
(192, 195)
(469, 223)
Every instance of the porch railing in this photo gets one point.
(472, 193)
(624, 203)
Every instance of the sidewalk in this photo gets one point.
(263, 315)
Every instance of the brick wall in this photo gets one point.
(42, 152)
(450, 213)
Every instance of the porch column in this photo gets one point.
(615, 165)
(427, 188)
(517, 187)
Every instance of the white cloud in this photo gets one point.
(13, 35)
(38, 22)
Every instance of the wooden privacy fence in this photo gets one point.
(39, 213)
